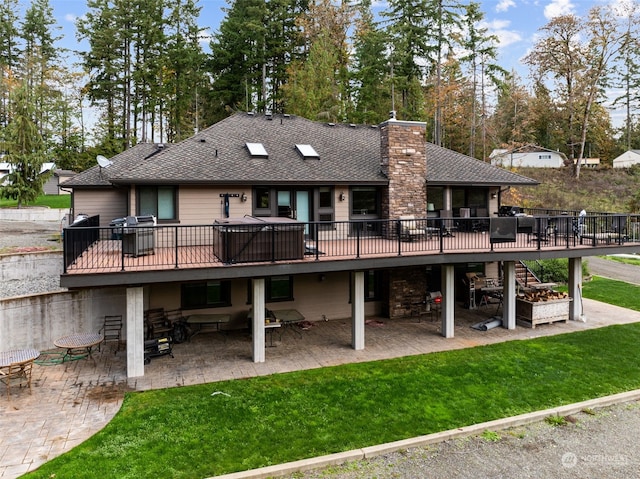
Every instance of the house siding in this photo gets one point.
(108, 204)
(310, 293)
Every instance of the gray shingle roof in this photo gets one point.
(447, 167)
(348, 154)
(218, 154)
(122, 162)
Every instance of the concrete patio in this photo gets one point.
(70, 402)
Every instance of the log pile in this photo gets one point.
(544, 295)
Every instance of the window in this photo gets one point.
(364, 200)
(159, 201)
(544, 157)
(325, 207)
(279, 288)
(262, 201)
(372, 285)
(373, 281)
(307, 152)
(210, 294)
(257, 150)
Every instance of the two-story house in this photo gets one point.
(262, 212)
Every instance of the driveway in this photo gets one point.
(613, 269)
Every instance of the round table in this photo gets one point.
(78, 345)
(17, 356)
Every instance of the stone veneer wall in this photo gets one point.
(404, 162)
(407, 288)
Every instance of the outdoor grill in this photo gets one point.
(138, 235)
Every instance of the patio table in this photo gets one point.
(288, 317)
(17, 356)
(203, 321)
(78, 345)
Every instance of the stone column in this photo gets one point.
(403, 160)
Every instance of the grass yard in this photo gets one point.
(206, 430)
(52, 201)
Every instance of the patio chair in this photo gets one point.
(112, 330)
(409, 228)
(158, 325)
(17, 374)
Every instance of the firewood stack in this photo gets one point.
(544, 295)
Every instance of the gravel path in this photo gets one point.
(602, 444)
(25, 236)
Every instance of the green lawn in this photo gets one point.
(52, 201)
(216, 428)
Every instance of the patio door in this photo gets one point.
(295, 204)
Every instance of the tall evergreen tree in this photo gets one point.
(371, 70)
(184, 69)
(39, 61)
(480, 55)
(25, 150)
(9, 54)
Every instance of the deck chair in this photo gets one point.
(17, 374)
(409, 228)
(112, 331)
(157, 323)
(448, 223)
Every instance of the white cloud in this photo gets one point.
(70, 17)
(500, 28)
(504, 5)
(557, 8)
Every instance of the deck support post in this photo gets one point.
(135, 332)
(575, 289)
(357, 310)
(509, 295)
(448, 300)
(257, 325)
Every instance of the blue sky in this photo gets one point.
(515, 22)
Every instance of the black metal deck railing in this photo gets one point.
(100, 249)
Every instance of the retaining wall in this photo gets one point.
(25, 266)
(36, 321)
(32, 213)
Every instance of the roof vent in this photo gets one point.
(202, 140)
(251, 113)
(331, 124)
(307, 152)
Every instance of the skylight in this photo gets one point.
(307, 152)
(257, 150)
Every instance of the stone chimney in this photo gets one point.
(404, 162)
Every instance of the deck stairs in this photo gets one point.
(524, 276)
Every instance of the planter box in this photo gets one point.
(531, 314)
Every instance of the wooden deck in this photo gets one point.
(105, 256)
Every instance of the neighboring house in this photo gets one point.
(528, 156)
(6, 168)
(346, 221)
(588, 162)
(627, 159)
(55, 184)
